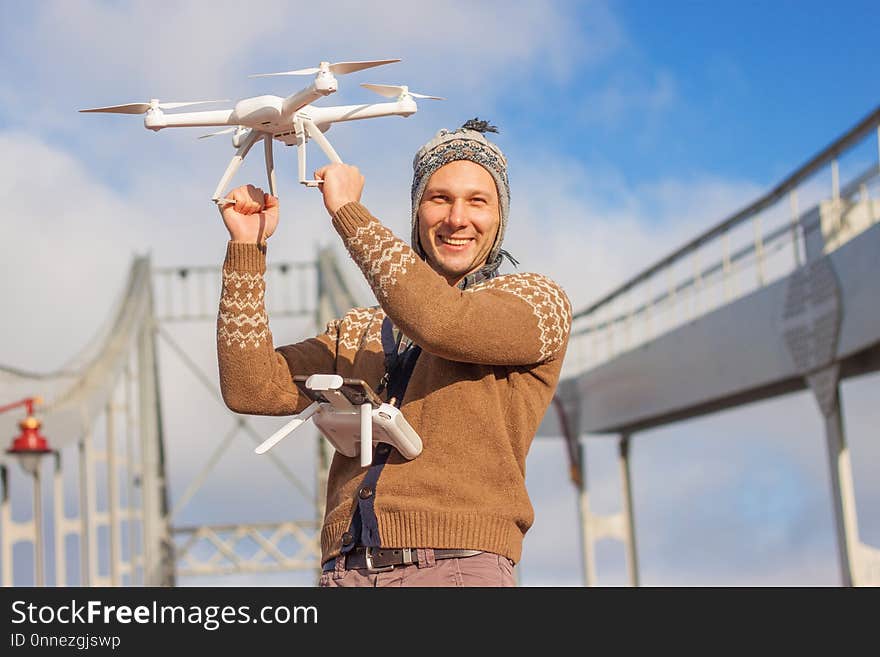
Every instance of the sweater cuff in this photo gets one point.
(350, 217)
(245, 256)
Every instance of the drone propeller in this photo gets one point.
(221, 132)
(394, 91)
(339, 68)
(140, 108)
(239, 134)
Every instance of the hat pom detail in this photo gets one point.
(478, 125)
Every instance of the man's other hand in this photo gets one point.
(342, 184)
(254, 216)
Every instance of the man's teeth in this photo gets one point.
(454, 242)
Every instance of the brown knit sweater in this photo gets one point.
(490, 361)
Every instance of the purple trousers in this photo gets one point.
(484, 569)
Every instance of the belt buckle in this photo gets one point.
(368, 557)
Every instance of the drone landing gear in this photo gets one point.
(304, 129)
(236, 161)
(270, 164)
(234, 164)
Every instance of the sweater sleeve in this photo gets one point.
(255, 378)
(520, 319)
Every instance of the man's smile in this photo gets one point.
(456, 243)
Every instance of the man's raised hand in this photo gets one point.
(253, 217)
(343, 183)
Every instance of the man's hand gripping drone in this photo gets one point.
(292, 120)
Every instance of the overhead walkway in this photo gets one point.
(757, 346)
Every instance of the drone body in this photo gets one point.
(292, 120)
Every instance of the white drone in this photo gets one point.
(292, 120)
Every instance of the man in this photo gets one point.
(473, 368)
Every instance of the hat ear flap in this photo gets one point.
(417, 239)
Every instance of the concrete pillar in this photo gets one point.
(632, 562)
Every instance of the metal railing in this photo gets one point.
(752, 248)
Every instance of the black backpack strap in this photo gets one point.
(389, 344)
(402, 373)
(399, 365)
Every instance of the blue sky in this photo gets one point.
(629, 127)
(735, 85)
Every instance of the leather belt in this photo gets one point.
(382, 559)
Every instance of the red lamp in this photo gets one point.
(31, 445)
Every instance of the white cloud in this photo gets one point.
(616, 102)
(69, 240)
(590, 230)
(198, 47)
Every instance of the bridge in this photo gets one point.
(777, 298)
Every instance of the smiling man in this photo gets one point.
(470, 357)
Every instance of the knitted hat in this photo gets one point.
(464, 143)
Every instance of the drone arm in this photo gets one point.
(159, 120)
(341, 113)
(300, 99)
(234, 163)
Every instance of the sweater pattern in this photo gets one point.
(385, 258)
(242, 320)
(359, 329)
(547, 301)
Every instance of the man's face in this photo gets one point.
(458, 219)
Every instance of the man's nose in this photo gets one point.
(457, 214)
